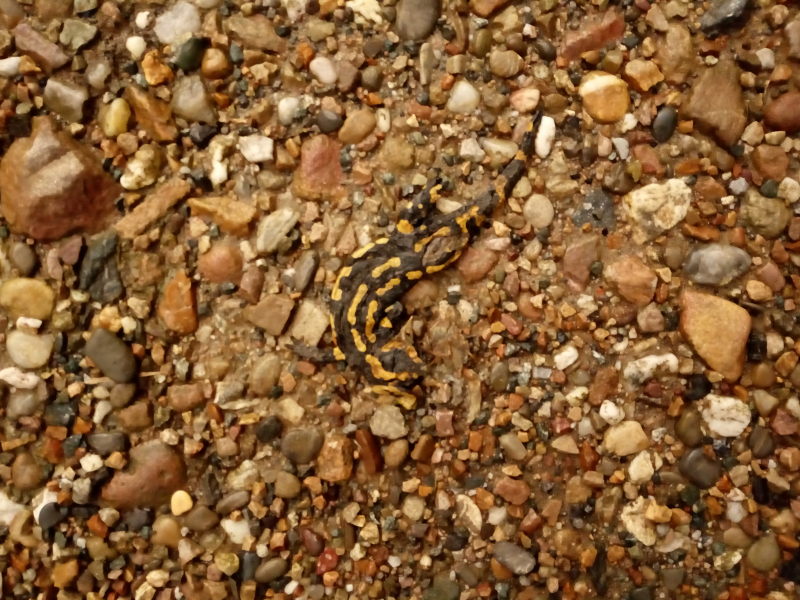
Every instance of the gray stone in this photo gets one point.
(271, 569)
(301, 445)
(721, 13)
(111, 355)
(514, 558)
(233, 501)
(699, 468)
(99, 274)
(716, 264)
(106, 443)
(417, 18)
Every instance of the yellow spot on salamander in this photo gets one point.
(369, 329)
(441, 232)
(357, 298)
(392, 263)
(392, 283)
(414, 275)
(359, 343)
(363, 250)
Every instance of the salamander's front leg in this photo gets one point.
(413, 216)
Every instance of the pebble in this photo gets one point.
(191, 101)
(657, 207)
(722, 347)
(605, 96)
(464, 98)
(357, 126)
(716, 103)
(514, 558)
(69, 170)
(29, 351)
(387, 421)
(665, 123)
(634, 280)
(301, 445)
(538, 211)
(257, 148)
(765, 216)
(765, 554)
(154, 473)
(545, 135)
(722, 13)
(699, 468)
(725, 416)
(716, 264)
(271, 569)
(111, 355)
(416, 19)
(782, 114)
(178, 21)
(626, 438)
(323, 69)
(180, 502)
(176, 307)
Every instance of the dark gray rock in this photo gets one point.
(99, 274)
(722, 13)
(113, 356)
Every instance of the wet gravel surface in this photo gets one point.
(610, 407)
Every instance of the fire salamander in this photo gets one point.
(366, 309)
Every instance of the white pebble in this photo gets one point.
(180, 20)
(565, 357)
(136, 45)
(91, 463)
(323, 69)
(257, 148)
(611, 413)
(287, 109)
(464, 98)
(471, 150)
(545, 136)
(9, 67)
(725, 416)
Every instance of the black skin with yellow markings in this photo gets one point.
(366, 309)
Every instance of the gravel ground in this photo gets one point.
(610, 407)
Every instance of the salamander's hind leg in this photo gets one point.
(413, 216)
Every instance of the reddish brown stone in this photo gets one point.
(319, 175)
(635, 281)
(593, 34)
(475, 263)
(46, 54)
(51, 185)
(222, 263)
(177, 308)
(369, 451)
(514, 491)
(185, 397)
(155, 471)
(783, 113)
(716, 103)
(771, 161)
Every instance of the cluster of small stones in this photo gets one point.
(611, 408)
